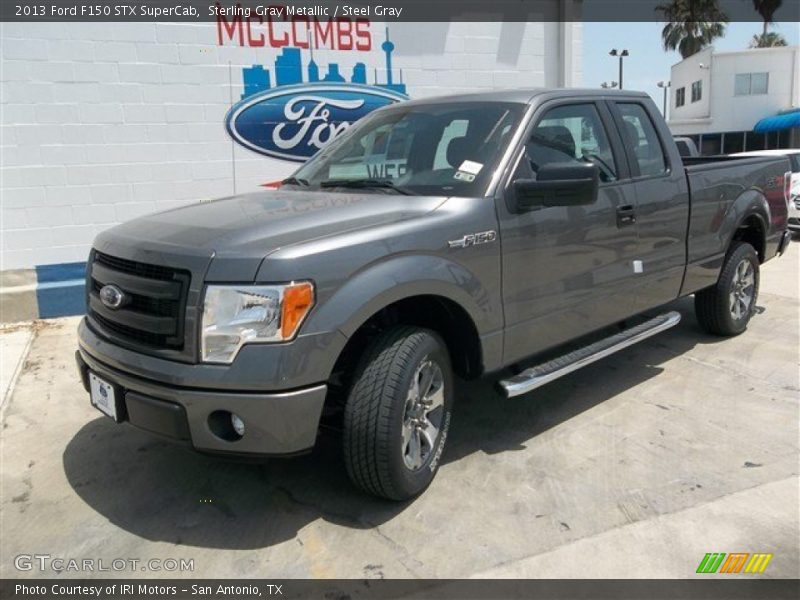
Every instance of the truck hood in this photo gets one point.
(238, 232)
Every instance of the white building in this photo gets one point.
(104, 122)
(718, 98)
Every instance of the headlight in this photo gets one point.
(235, 315)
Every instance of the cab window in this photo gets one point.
(572, 133)
(641, 139)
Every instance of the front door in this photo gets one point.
(568, 270)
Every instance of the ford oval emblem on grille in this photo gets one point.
(112, 297)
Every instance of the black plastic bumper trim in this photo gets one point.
(157, 416)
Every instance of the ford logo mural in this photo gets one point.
(294, 122)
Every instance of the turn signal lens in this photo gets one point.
(298, 299)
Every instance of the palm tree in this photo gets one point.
(691, 25)
(771, 39)
(767, 8)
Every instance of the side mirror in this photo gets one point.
(556, 184)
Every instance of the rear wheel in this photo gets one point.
(397, 415)
(726, 308)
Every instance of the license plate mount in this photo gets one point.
(104, 397)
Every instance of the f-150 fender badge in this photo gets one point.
(473, 239)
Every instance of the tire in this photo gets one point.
(725, 309)
(384, 422)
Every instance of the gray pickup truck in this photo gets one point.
(519, 233)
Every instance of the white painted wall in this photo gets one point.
(105, 122)
(721, 110)
(695, 68)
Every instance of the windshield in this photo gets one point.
(430, 149)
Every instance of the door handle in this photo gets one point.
(626, 215)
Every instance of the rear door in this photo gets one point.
(567, 270)
(661, 201)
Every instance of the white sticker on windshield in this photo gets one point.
(462, 176)
(473, 168)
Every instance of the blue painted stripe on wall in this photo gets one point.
(60, 272)
(60, 289)
(63, 300)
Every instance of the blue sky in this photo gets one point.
(648, 63)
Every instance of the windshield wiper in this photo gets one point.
(366, 183)
(294, 181)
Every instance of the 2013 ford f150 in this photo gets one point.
(440, 237)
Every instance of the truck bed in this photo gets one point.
(718, 186)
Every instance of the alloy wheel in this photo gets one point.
(742, 293)
(423, 414)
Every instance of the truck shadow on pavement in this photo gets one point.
(163, 492)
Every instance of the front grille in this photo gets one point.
(153, 311)
(146, 304)
(142, 337)
(135, 268)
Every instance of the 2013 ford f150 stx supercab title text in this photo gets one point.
(435, 238)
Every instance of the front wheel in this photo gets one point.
(398, 413)
(726, 308)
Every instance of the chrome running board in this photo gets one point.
(537, 376)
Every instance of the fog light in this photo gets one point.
(238, 424)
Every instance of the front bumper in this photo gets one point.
(275, 423)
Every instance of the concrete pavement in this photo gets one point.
(633, 467)
(15, 342)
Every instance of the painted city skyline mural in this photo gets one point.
(288, 70)
(293, 110)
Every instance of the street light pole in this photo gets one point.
(621, 54)
(665, 85)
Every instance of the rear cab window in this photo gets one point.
(642, 141)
